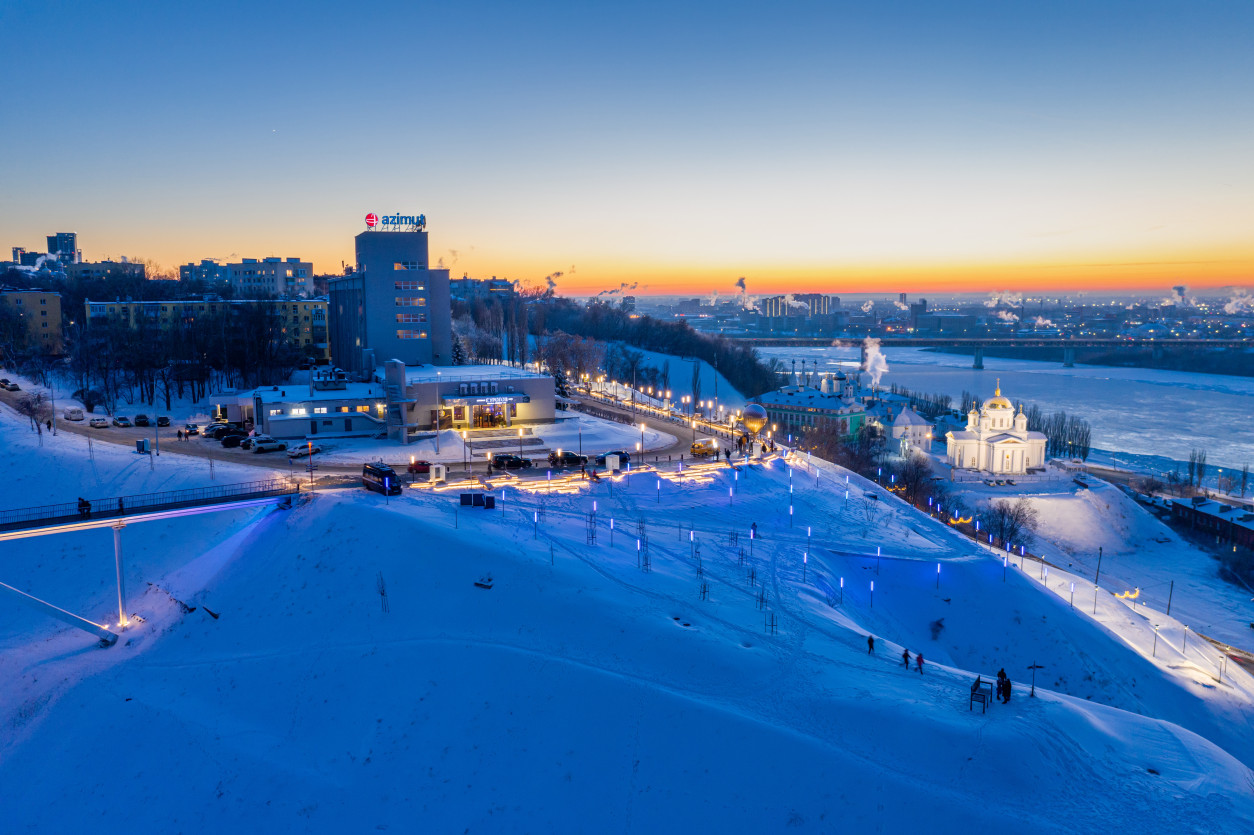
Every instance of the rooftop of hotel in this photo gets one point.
(469, 373)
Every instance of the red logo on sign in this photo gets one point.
(372, 220)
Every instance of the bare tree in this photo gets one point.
(1012, 521)
(35, 407)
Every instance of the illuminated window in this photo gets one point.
(411, 301)
(320, 410)
(299, 411)
(363, 408)
(405, 265)
(410, 285)
(408, 334)
(411, 317)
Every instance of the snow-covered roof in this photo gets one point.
(441, 373)
(799, 397)
(300, 392)
(909, 417)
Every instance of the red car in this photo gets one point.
(419, 467)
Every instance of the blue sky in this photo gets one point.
(679, 144)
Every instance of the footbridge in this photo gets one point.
(119, 511)
(978, 344)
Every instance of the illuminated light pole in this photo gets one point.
(1155, 652)
(877, 560)
(842, 591)
(805, 559)
(938, 576)
(1184, 642)
(1073, 594)
(1004, 561)
(872, 594)
(464, 464)
(642, 440)
(520, 437)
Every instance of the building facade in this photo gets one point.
(84, 271)
(464, 397)
(40, 311)
(65, 246)
(280, 278)
(996, 440)
(304, 321)
(796, 409)
(393, 307)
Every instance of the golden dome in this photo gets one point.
(997, 401)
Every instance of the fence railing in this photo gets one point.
(123, 506)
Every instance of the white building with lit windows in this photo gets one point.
(996, 440)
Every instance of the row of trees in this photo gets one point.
(112, 362)
(928, 405)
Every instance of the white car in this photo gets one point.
(267, 445)
(99, 423)
(301, 450)
(73, 413)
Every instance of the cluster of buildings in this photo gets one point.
(390, 339)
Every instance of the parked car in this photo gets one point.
(12, 387)
(191, 429)
(232, 439)
(303, 450)
(163, 421)
(419, 467)
(99, 423)
(504, 461)
(268, 445)
(220, 430)
(142, 420)
(73, 413)
(703, 447)
(565, 458)
(4, 381)
(623, 457)
(122, 421)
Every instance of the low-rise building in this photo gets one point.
(1227, 522)
(797, 409)
(304, 321)
(280, 278)
(91, 270)
(328, 406)
(420, 398)
(40, 311)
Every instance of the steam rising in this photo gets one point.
(876, 362)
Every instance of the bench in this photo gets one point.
(983, 695)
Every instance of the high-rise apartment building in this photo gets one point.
(65, 246)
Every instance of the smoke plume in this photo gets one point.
(1241, 302)
(1007, 316)
(1000, 297)
(876, 362)
(868, 306)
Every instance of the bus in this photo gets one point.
(380, 477)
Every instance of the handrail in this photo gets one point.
(123, 506)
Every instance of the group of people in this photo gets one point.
(1003, 685)
(905, 653)
(84, 508)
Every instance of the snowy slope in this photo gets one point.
(1140, 552)
(582, 694)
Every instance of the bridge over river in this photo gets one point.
(978, 344)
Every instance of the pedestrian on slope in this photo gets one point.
(1005, 691)
(870, 644)
(1001, 683)
(180, 434)
(918, 663)
(905, 658)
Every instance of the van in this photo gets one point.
(382, 478)
(73, 413)
(703, 447)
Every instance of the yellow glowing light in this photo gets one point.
(1129, 595)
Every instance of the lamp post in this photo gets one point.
(520, 434)
(642, 440)
(464, 466)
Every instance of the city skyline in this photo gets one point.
(811, 148)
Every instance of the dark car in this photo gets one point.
(567, 459)
(163, 421)
(12, 387)
(509, 462)
(122, 421)
(623, 457)
(232, 439)
(191, 429)
(216, 433)
(142, 420)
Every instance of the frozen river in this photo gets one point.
(1143, 416)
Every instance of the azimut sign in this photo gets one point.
(417, 222)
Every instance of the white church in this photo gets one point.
(996, 440)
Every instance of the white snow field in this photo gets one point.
(581, 693)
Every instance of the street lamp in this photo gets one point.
(642, 437)
(464, 467)
(520, 434)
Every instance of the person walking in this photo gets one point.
(1005, 691)
(905, 658)
(870, 644)
(180, 434)
(918, 663)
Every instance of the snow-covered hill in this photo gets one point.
(582, 693)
